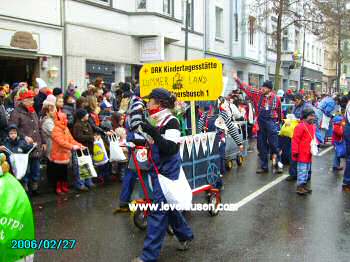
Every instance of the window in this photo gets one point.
(141, 4)
(104, 2)
(219, 18)
(297, 40)
(308, 52)
(313, 54)
(168, 7)
(272, 37)
(345, 69)
(251, 29)
(316, 55)
(236, 27)
(285, 40)
(191, 13)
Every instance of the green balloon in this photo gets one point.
(16, 219)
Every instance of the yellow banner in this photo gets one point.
(195, 80)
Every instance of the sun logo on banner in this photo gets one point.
(141, 155)
(178, 81)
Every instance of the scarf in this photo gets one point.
(159, 118)
(30, 109)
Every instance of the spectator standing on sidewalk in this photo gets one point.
(47, 124)
(84, 134)
(27, 122)
(62, 145)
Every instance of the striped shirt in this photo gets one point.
(232, 130)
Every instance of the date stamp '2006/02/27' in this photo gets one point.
(50, 244)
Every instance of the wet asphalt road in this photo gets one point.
(276, 226)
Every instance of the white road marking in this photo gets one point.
(325, 151)
(260, 191)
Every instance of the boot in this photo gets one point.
(346, 188)
(291, 178)
(35, 188)
(65, 188)
(308, 189)
(183, 245)
(59, 188)
(339, 168)
(262, 171)
(137, 259)
(301, 190)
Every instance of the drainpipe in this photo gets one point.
(206, 26)
(231, 29)
(266, 44)
(64, 55)
(244, 29)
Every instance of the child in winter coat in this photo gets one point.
(338, 136)
(62, 145)
(304, 133)
(15, 143)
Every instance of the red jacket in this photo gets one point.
(301, 142)
(338, 133)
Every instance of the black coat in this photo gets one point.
(84, 134)
(3, 122)
(69, 111)
(38, 102)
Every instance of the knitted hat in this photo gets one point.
(268, 84)
(24, 93)
(12, 127)
(57, 91)
(81, 113)
(298, 96)
(41, 83)
(337, 119)
(280, 93)
(49, 101)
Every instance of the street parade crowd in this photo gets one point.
(59, 128)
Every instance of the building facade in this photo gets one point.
(80, 40)
(232, 36)
(31, 41)
(113, 39)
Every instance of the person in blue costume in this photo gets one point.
(134, 117)
(165, 133)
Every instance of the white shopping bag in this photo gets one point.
(178, 191)
(116, 152)
(325, 122)
(86, 167)
(314, 147)
(19, 162)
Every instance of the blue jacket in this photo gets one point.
(18, 146)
